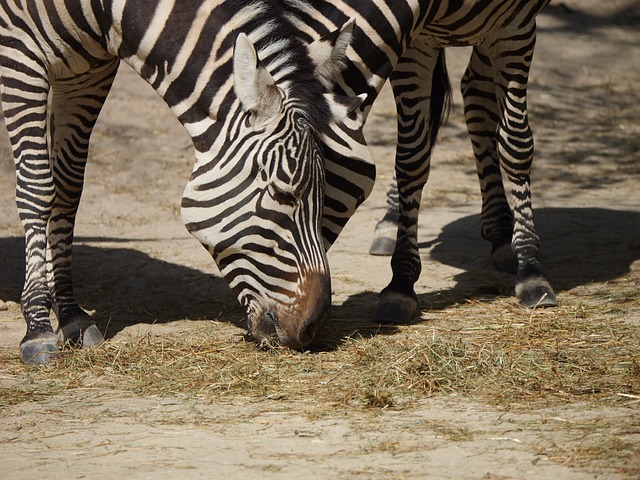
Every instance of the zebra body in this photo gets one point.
(403, 40)
(267, 137)
(280, 164)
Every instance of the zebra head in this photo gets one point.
(257, 207)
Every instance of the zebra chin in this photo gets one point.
(294, 325)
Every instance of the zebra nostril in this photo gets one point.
(271, 318)
(307, 334)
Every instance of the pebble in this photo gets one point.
(3, 306)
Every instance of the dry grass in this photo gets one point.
(488, 349)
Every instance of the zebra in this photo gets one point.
(280, 160)
(404, 41)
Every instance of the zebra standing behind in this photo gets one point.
(409, 36)
(261, 121)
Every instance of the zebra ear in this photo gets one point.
(345, 108)
(328, 53)
(254, 86)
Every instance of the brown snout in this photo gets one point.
(295, 325)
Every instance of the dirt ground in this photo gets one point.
(141, 270)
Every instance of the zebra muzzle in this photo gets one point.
(295, 325)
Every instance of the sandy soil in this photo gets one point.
(136, 262)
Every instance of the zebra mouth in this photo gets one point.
(297, 322)
(267, 328)
(295, 326)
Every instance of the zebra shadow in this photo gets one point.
(352, 319)
(127, 287)
(578, 246)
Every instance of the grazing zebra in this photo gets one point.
(409, 36)
(267, 132)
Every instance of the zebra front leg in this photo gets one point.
(481, 114)
(414, 93)
(76, 103)
(511, 58)
(386, 231)
(25, 113)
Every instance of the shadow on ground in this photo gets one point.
(125, 286)
(579, 246)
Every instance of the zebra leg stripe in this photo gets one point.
(411, 82)
(77, 103)
(26, 119)
(481, 114)
(494, 90)
(515, 151)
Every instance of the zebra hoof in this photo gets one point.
(536, 293)
(382, 246)
(395, 308)
(384, 238)
(504, 259)
(39, 349)
(81, 332)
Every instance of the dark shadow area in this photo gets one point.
(127, 287)
(352, 319)
(581, 20)
(578, 246)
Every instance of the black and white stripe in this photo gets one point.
(409, 37)
(255, 101)
(281, 164)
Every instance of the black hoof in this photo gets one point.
(395, 308)
(81, 332)
(40, 349)
(536, 293)
(384, 239)
(505, 259)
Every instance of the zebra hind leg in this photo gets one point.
(510, 59)
(481, 114)
(76, 104)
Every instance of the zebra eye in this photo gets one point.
(281, 196)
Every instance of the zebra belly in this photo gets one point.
(65, 55)
(473, 21)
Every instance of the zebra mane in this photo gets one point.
(287, 58)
